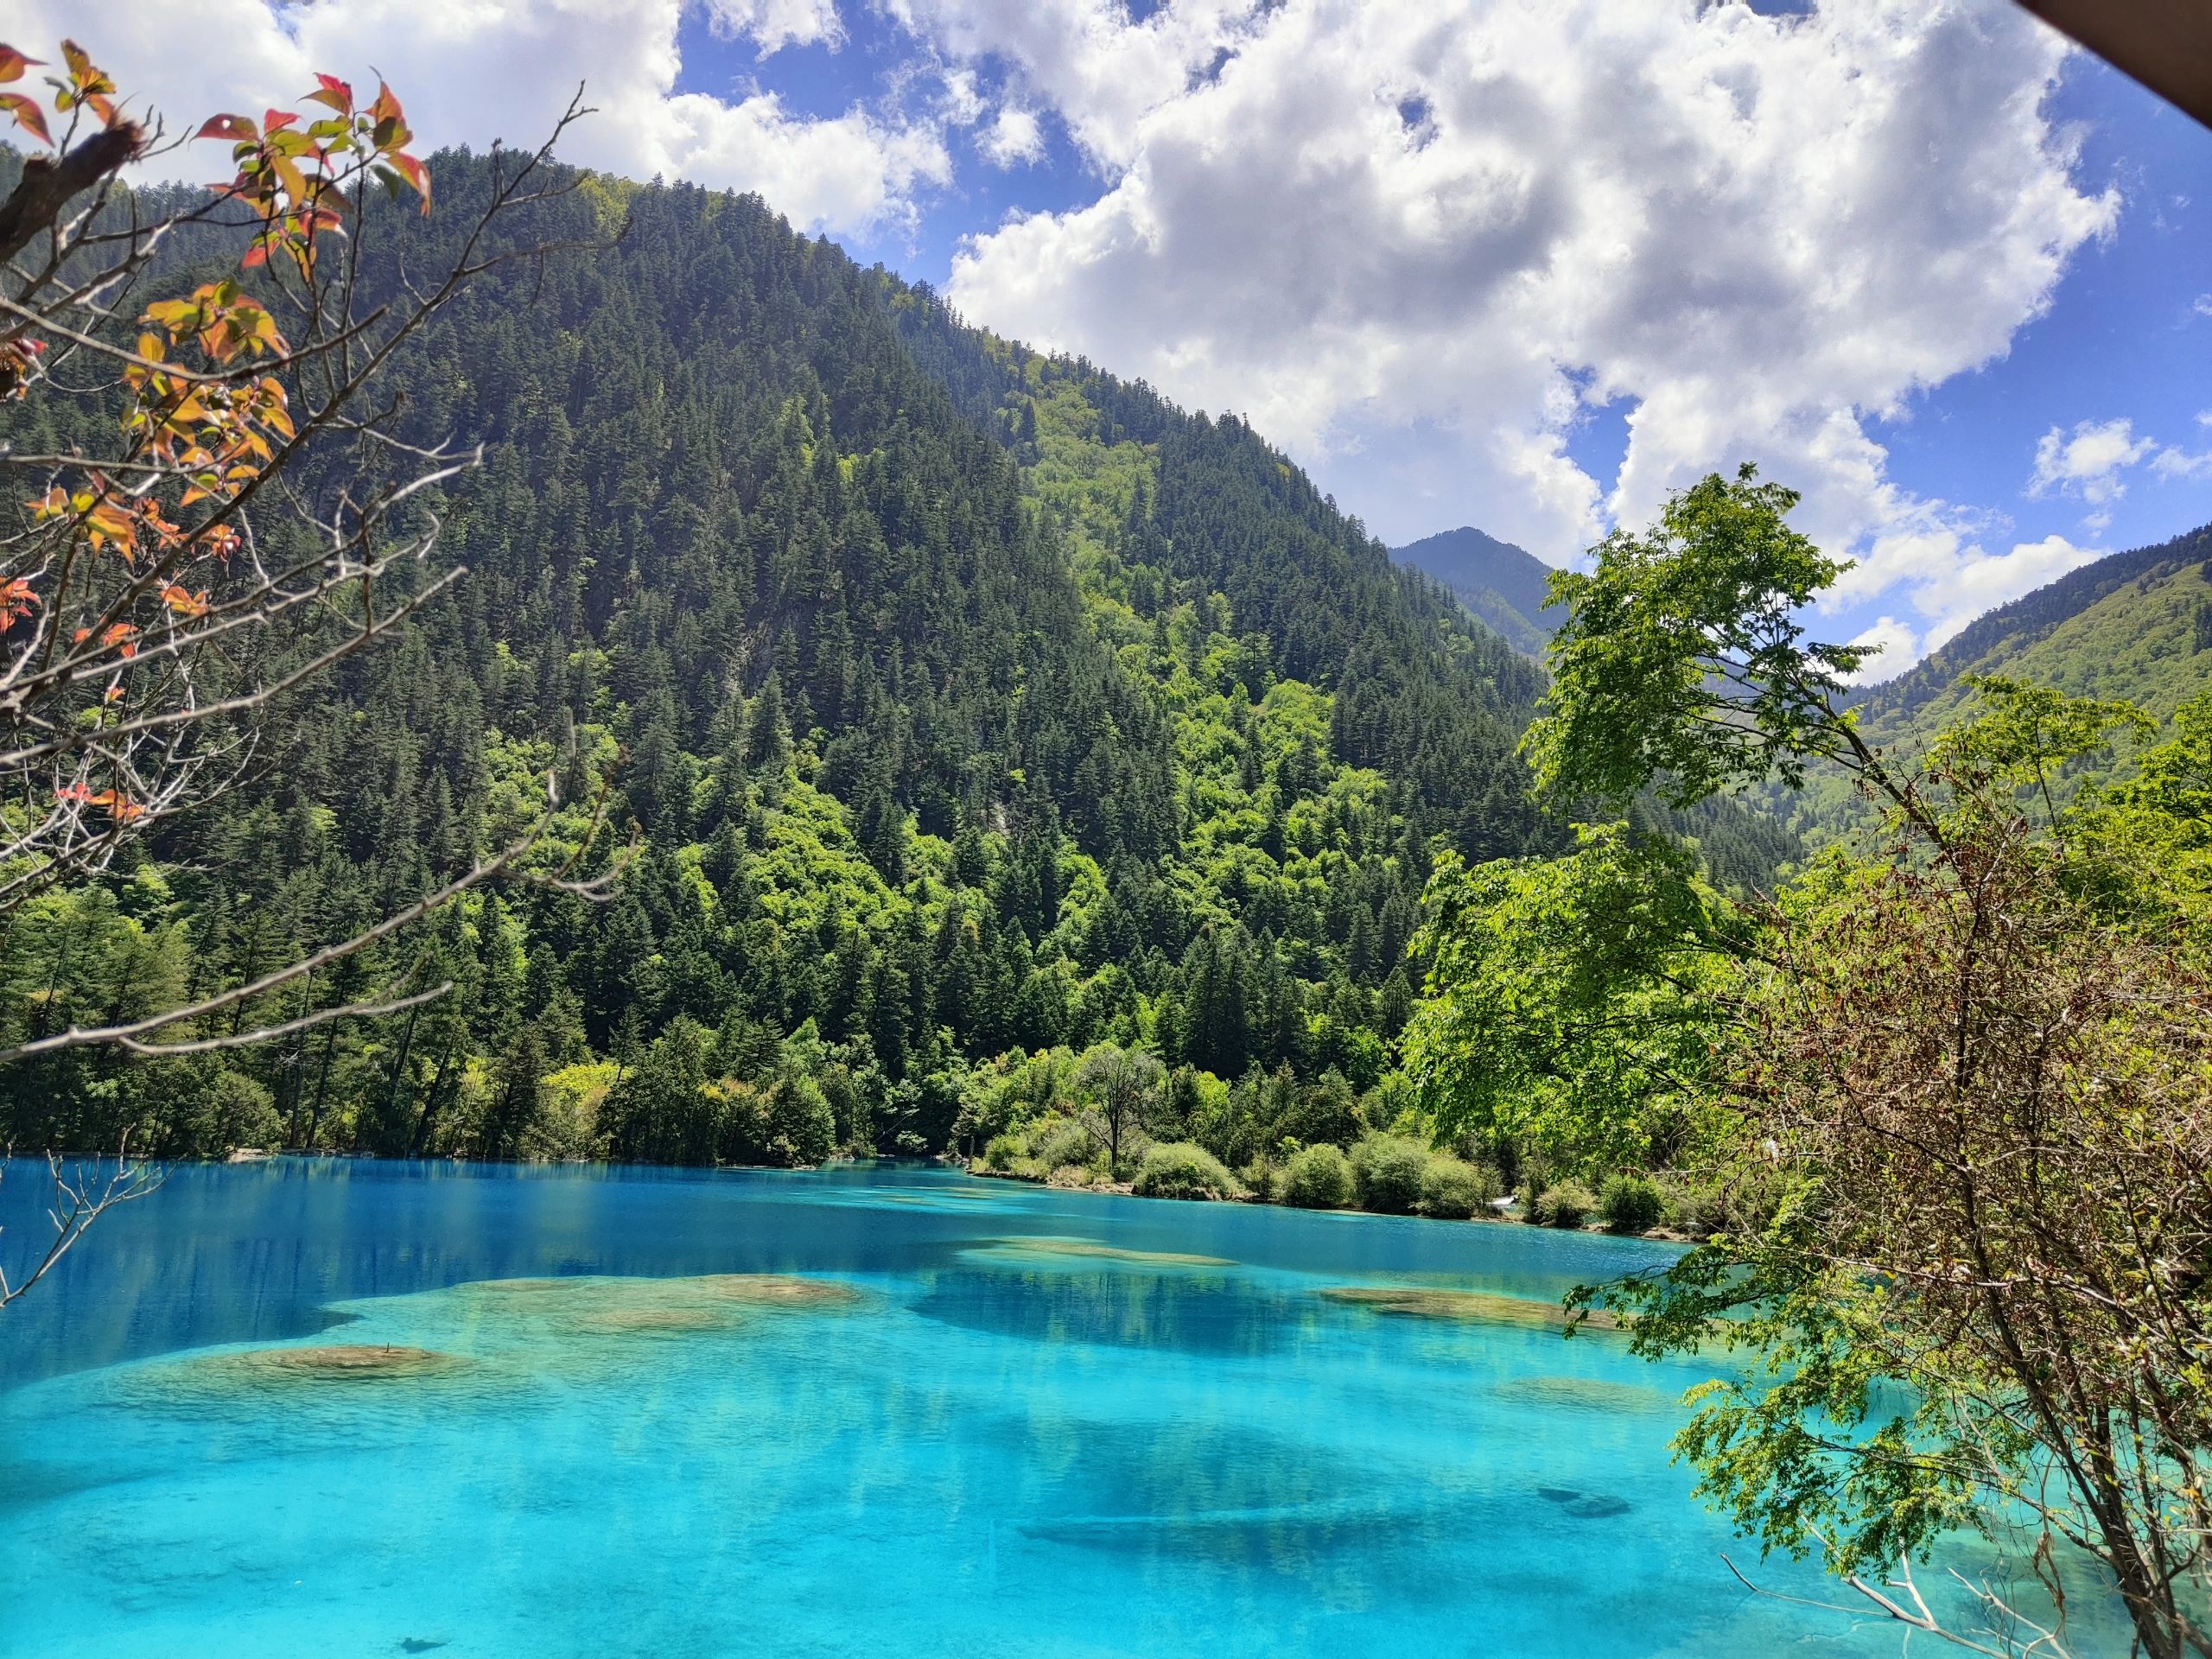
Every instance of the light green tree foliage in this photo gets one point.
(1182, 1169)
(1683, 664)
(1955, 1079)
(1317, 1178)
(2159, 817)
(1388, 1172)
(1124, 1087)
(1572, 1002)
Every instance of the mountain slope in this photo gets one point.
(2137, 625)
(2125, 626)
(1499, 582)
(967, 702)
(1206, 506)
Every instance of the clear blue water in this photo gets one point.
(980, 1446)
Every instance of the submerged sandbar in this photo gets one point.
(1471, 1306)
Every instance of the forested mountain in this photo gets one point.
(2134, 626)
(966, 702)
(1499, 582)
(2129, 625)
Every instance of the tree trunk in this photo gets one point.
(399, 1066)
(322, 1084)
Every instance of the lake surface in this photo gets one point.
(950, 1426)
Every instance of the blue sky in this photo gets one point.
(1469, 261)
(2126, 336)
(822, 81)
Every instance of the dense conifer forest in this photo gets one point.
(966, 703)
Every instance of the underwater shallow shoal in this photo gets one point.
(352, 1408)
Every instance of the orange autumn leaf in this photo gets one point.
(333, 93)
(417, 174)
(118, 802)
(17, 600)
(28, 116)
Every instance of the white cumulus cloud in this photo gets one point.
(775, 24)
(1014, 138)
(2173, 462)
(1895, 646)
(2088, 462)
(473, 71)
(1089, 59)
(1419, 244)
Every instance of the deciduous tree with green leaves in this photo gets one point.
(1965, 1067)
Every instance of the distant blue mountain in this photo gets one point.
(1498, 581)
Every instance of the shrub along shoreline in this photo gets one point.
(1380, 1174)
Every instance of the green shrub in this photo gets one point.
(1317, 1178)
(209, 1109)
(1182, 1169)
(802, 1129)
(1698, 1207)
(1388, 1170)
(1632, 1203)
(1261, 1180)
(1003, 1153)
(1455, 1189)
(1060, 1141)
(1703, 1206)
(1136, 1147)
(1566, 1204)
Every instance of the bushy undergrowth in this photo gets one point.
(1453, 1189)
(1182, 1169)
(1632, 1203)
(1383, 1172)
(1564, 1203)
(1317, 1178)
(1387, 1172)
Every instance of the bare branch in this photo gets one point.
(78, 1205)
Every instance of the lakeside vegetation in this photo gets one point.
(1951, 1075)
(1013, 765)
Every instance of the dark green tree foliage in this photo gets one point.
(962, 701)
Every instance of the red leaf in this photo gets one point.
(255, 255)
(417, 174)
(277, 120)
(334, 94)
(236, 127)
(28, 116)
(13, 63)
(386, 108)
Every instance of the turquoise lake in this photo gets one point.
(950, 1425)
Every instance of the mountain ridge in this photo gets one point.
(1499, 582)
(968, 704)
(2015, 629)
